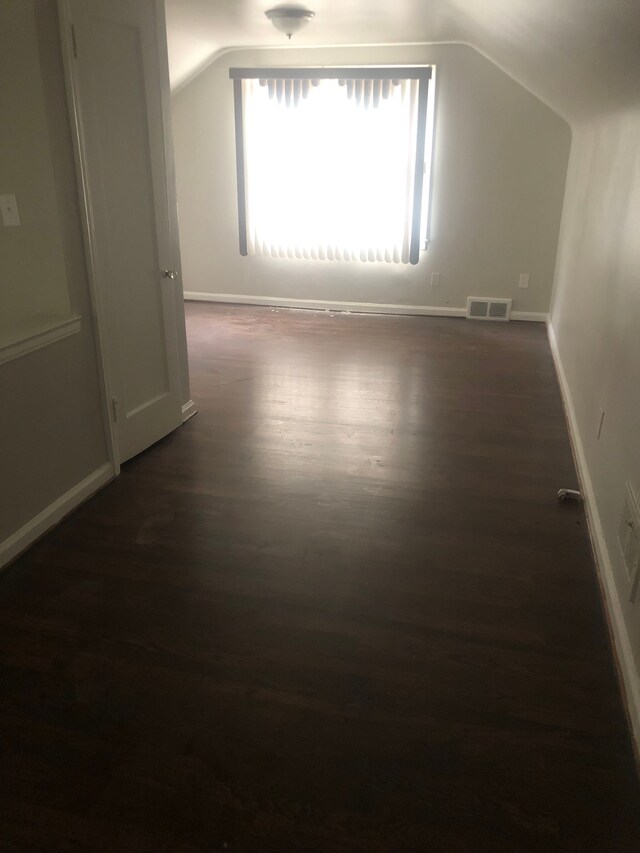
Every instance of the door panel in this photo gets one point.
(118, 78)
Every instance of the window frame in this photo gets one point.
(422, 73)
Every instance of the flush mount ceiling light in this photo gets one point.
(289, 19)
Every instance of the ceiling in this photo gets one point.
(579, 56)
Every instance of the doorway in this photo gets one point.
(118, 89)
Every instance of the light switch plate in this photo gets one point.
(524, 280)
(9, 210)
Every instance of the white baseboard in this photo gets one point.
(325, 304)
(55, 512)
(622, 644)
(530, 316)
(188, 411)
(355, 307)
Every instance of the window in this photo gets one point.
(333, 163)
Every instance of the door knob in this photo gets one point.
(170, 274)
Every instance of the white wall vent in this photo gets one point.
(629, 539)
(488, 308)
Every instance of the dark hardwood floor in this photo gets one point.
(338, 611)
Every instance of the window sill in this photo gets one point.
(39, 332)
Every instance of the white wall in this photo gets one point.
(596, 323)
(33, 274)
(499, 175)
(51, 432)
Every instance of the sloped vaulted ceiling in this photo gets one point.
(579, 56)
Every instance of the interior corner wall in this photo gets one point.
(500, 164)
(51, 429)
(595, 322)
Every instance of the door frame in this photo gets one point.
(100, 328)
(88, 232)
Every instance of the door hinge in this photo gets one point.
(74, 42)
(114, 409)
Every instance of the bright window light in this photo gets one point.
(330, 168)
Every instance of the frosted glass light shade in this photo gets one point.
(289, 19)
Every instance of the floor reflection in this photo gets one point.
(358, 416)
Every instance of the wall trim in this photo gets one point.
(335, 305)
(530, 316)
(54, 513)
(188, 411)
(43, 332)
(324, 304)
(72, 87)
(623, 651)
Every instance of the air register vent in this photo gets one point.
(488, 308)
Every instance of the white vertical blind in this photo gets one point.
(330, 167)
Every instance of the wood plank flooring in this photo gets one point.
(339, 611)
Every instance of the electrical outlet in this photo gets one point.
(435, 279)
(523, 281)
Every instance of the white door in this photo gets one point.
(116, 59)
